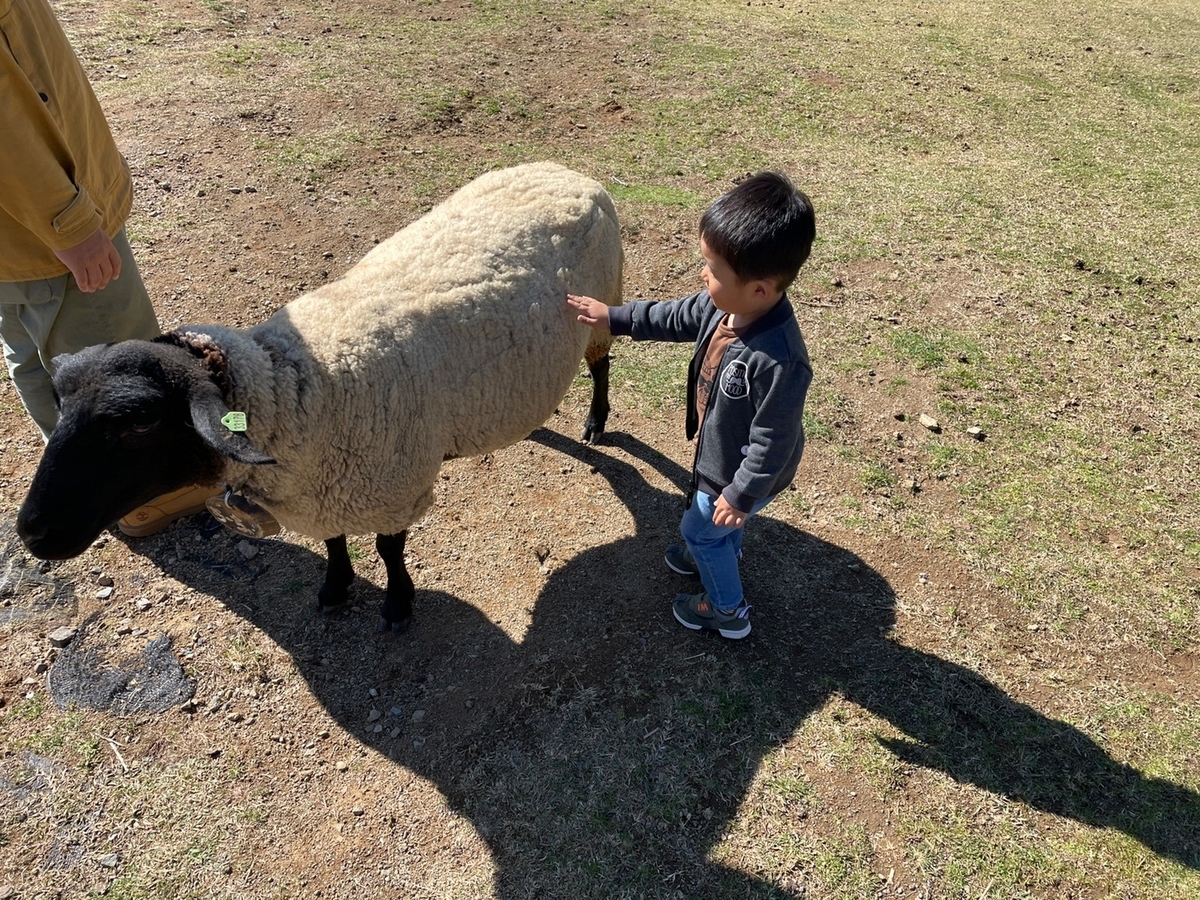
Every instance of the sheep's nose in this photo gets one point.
(30, 529)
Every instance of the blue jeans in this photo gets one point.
(716, 549)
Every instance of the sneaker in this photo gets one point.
(162, 511)
(696, 611)
(679, 559)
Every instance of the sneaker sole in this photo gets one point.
(677, 570)
(734, 635)
(154, 526)
(728, 634)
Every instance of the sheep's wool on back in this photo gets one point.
(451, 338)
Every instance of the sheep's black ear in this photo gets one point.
(208, 410)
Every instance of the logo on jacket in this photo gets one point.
(735, 380)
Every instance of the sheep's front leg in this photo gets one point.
(397, 604)
(338, 575)
(597, 418)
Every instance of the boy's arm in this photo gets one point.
(646, 320)
(655, 320)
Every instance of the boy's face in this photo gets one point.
(746, 299)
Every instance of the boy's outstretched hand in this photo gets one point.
(591, 311)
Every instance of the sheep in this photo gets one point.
(452, 338)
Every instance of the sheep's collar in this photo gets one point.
(242, 515)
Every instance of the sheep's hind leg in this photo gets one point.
(338, 575)
(397, 604)
(597, 418)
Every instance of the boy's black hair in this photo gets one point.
(764, 228)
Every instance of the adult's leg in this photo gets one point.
(42, 319)
(120, 312)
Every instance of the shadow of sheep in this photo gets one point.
(590, 764)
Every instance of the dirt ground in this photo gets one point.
(353, 763)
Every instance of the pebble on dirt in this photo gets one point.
(62, 635)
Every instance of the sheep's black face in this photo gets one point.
(124, 436)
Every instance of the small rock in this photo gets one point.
(105, 581)
(104, 593)
(418, 743)
(928, 421)
(358, 811)
(396, 711)
(374, 715)
(394, 733)
(418, 715)
(976, 432)
(63, 635)
(110, 860)
(373, 692)
(143, 604)
(341, 765)
(247, 549)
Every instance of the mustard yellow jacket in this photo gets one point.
(61, 175)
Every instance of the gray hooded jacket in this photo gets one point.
(753, 433)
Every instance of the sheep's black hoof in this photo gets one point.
(592, 432)
(398, 627)
(331, 599)
(327, 605)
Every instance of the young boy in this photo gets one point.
(746, 383)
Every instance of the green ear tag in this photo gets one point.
(234, 421)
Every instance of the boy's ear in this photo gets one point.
(766, 288)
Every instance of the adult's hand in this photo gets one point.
(94, 261)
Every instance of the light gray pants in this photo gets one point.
(44, 318)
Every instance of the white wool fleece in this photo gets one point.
(451, 338)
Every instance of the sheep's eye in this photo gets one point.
(141, 426)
